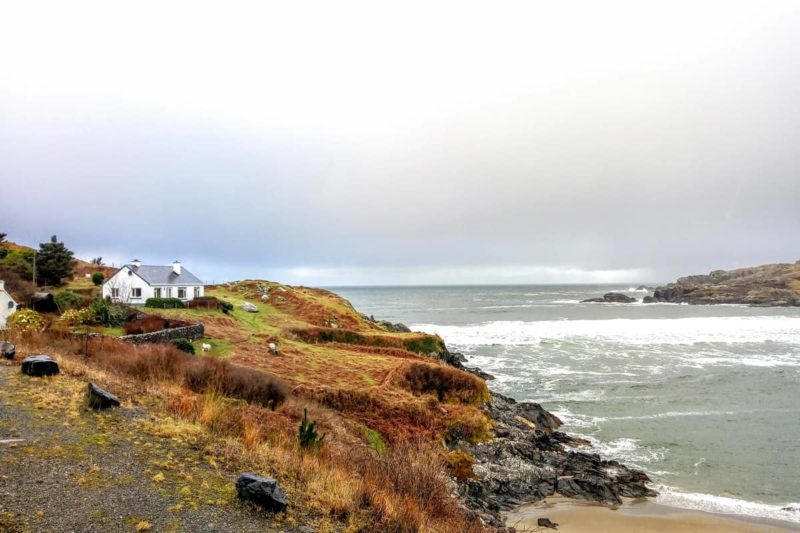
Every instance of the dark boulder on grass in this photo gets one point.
(8, 350)
(98, 398)
(39, 366)
(262, 491)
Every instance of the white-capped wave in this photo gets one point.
(669, 331)
(725, 505)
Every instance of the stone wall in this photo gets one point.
(193, 333)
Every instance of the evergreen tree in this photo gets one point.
(53, 262)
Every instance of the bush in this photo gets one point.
(98, 278)
(307, 434)
(449, 384)
(184, 345)
(26, 321)
(151, 323)
(205, 302)
(69, 300)
(76, 317)
(108, 314)
(206, 374)
(164, 303)
(226, 307)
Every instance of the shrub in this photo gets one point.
(26, 321)
(149, 324)
(206, 374)
(69, 300)
(460, 463)
(108, 314)
(164, 303)
(307, 434)
(205, 302)
(449, 384)
(427, 344)
(98, 278)
(184, 345)
(76, 317)
(226, 307)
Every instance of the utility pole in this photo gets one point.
(34, 268)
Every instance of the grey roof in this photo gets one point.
(163, 275)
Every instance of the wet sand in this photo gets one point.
(634, 516)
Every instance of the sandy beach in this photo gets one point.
(634, 516)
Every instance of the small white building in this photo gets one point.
(7, 305)
(134, 283)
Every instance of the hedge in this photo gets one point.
(164, 303)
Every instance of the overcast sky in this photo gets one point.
(433, 142)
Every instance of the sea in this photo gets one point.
(705, 399)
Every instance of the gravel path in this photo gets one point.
(65, 468)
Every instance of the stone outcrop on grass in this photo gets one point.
(250, 308)
(7, 350)
(262, 491)
(39, 366)
(98, 398)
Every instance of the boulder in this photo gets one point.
(611, 297)
(589, 487)
(98, 398)
(262, 491)
(8, 350)
(39, 365)
(547, 523)
(250, 308)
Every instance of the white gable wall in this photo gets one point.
(127, 281)
(7, 307)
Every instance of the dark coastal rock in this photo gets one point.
(762, 286)
(528, 460)
(396, 328)
(8, 350)
(39, 366)
(480, 373)
(546, 522)
(98, 398)
(611, 297)
(262, 491)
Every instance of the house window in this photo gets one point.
(11, 305)
(197, 292)
(115, 292)
(157, 292)
(168, 292)
(182, 293)
(136, 293)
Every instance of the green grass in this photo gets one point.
(219, 347)
(374, 439)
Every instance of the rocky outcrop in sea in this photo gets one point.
(767, 286)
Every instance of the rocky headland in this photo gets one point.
(530, 460)
(766, 285)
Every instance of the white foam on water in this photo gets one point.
(641, 332)
(724, 505)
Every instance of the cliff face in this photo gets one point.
(766, 285)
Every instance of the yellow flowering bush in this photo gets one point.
(26, 321)
(76, 317)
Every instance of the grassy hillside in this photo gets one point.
(387, 405)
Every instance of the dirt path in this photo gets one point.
(65, 468)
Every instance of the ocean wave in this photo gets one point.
(643, 332)
(724, 505)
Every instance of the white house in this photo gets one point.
(7, 305)
(134, 283)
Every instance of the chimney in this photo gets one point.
(136, 263)
(176, 267)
